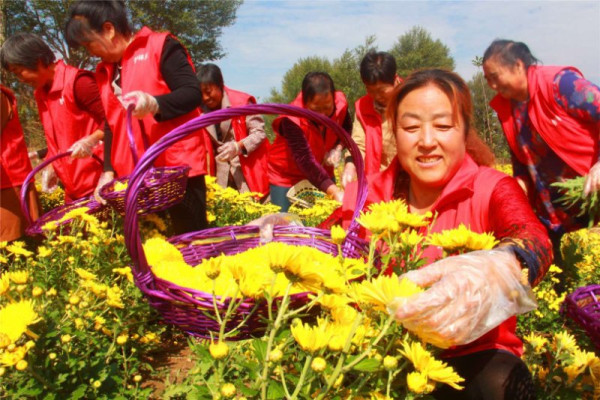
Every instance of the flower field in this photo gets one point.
(73, 324)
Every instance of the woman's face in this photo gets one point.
(35, 78)
(322, 103)
(212, 95)
(431, 143)
(380, 92)
(508, 82)
(108, 44)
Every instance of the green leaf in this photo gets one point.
(260, 349)
(367, 365)
(79, 393)
(275, 391)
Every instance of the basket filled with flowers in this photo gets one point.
(583, 306)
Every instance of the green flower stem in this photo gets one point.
(389, 384)
(214, 300)
(370, 260)
(304, 307)
(365, 353)
(243, 322)
(285, 389)
(230, 308)
(302, 377)
(41, 379)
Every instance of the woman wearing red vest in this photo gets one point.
(439, 169)
(69, 107)
(14, 168)
(239, 143)
(304, 149)
(551, 119)
(153, 71)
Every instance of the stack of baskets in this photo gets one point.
(583, 306)
(191, 309)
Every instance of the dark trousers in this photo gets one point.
(190, 214)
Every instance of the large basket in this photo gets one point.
(304, 194)
(34, 228)
(190, 309)
(163, 187)
(583, 306)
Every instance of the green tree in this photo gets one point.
(416, 49)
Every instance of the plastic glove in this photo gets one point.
(592, 180)
(106, 177)
(49, 179)
(84, 146)
(334, 157)
(267, 222)
(468, 296)
(144, 103)
(228, 151)
(33, 155)
(349, 174)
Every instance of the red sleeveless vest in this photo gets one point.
(14, 161)
(371, 122)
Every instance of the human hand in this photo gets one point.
(334, 156)
(467, 296)
(84, 146)
(349, 174)
(33, 155)
(106, 177)
(592, 180)
(49, 179)
(228, 151)
(144, 103)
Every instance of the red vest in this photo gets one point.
(466, 200)
(371, 122)
(64, 123)
(14, 161)
(282, 168)
(573, 140)
(140, 70)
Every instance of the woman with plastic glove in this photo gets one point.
(153, 71)
(70, 110)
(551, 119)
(470, 301)
(14, 168)
(304, 149)
(239, 145)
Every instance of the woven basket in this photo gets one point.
(35, 227)
(304, 194)
(163, 187)
(583, 306)
(191, 309)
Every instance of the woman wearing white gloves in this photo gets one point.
(470, 301)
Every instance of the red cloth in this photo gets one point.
(282, 170)
(371, 122)
(574, 141)
(64, 123)
(14, 161)
(140, 70)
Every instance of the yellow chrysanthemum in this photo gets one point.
(310, 338)
(124, 271)
(18, 249)
(536, 341)
(113, 297)
(73, 214)
(410, 238)
(338, 234)
(333, 301)
(15, 317)
(11, 358)
(4, 283)
(120, 186)
(85, 275)
(425, 363)
(564, 341)
(159, 251)
(418, 383)
(462, 239)
(18, 277)
(381, 291)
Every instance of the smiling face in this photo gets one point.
(430, 139)
(212, 96)
(322, 103)
(36, 78)
(509, 82)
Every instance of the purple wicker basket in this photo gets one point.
(191, 309)
(35, 227)
(162, 188)
(583, 306)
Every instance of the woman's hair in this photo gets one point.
(210, 74)
(316, 83)
(378, 67)
(460, 97)
(27, 50)
(86, 18)
(508, 52)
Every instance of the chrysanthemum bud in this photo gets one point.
(318, 364)
(65, 338)
(218, 350)
(228, 390)
(122, 339)
(338, 234)
(21, 365)
(37, 291)
(275, 355)
(390, 363)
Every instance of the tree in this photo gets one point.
(416, 49)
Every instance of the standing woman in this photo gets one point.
(153, 71)
(304, 149)
(239, 143)
(551, 118)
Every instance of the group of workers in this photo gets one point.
(415, 135)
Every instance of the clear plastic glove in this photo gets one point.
(84, 146)
(267, 222)
(467, 296)
(144, 103)
(349, 174)
(106, 177)
(592, 180)
(333, 157)
(33, 155)
(49, 179)
(228, 151)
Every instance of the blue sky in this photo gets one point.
(270, 36)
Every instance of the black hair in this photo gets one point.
(509, 52)
(378, 67)
(314, 83)
(86, 18)
(209, 73)
(27, 50)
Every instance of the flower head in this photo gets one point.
(462, 239)
(310, 338)
(381, 291)
(338, 234)
(15, 317)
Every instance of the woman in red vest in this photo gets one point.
(14, 168)
(304, 149)
(239, 143)
(551, 118)
(153, 71)
(69, 107)
(440, 169)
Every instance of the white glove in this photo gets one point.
(349, 174)
(49, 179)
(228, 151)
(144, 103)
(468, 296)
(33, 155)
(84, 146)
(592, 180)
(334, 156)
(106, 177)
(267, 222)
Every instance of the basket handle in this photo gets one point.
(30, 178)
(132, 234)
(129, 125)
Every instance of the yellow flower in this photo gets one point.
(212, 267)
(52, 356)
(410, 238)
(536, 341)
(18, 249)
(15, 317)
(381, 291)
(78, 323)
(37, 291)
(218, 350)
(96, 384)
(275, 355)
(310, 338)
(4, 340)
(18, 277)
(126, 272)
(66, 338)
(564, 341)
(462, 239)
(137, 378)
(120, 186)
(113, 297)
(4, 283)
(159, 251)
(390, 363)
(228, 390)
(318, 364)
(12, 357)
(418, 383)
(122, 339)
(51, 292)
(21, 365)
(85, 275)
(434, 369)
(74, 300)
(43, 251)
(338, 234)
